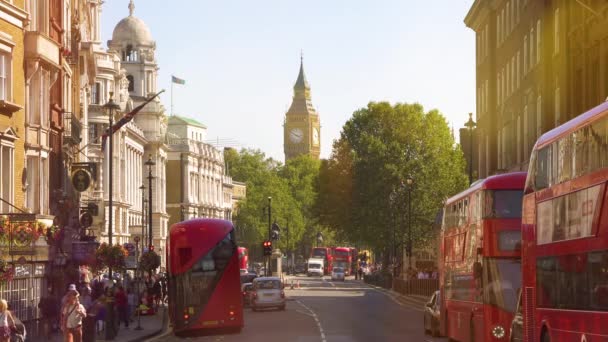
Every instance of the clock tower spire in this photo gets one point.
(302, 127)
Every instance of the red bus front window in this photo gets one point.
(503, 203)
(502, 283)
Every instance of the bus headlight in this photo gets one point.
(498, 332)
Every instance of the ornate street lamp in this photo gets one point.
(149, 164)
(111, 108)
(471, 126)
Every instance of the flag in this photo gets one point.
(125, 119)
(177, 80)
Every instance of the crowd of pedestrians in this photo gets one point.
(81, 313)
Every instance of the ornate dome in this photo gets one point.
(132, 29)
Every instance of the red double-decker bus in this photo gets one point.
(565, 233)
(480, 263)
(204, 280)
(326, 254)
(243, 259)
(343, 258)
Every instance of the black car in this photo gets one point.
(248, 277)
(517, 325)
(431, 315)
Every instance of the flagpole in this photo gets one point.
(171, 96)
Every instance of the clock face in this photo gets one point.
(315, 136)
(296, 135)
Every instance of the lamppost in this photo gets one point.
(268, 271)
(111, 108)
(471, 126)
(138, 327)
(143, 210)
(410, 183)
(149, 164)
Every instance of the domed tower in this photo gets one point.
(133, 42)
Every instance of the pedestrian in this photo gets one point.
(49, 308)
(72, 314)
(156, 290)
(132, 302)
(120, 298)
(164, 290)
(71, 289)
(5, 318)
(99, 313)
(360, 271)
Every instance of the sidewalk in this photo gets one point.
(151, 326)
(414, 300)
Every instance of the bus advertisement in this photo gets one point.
(343, 258)
(204, 282)
(480, 260)
(565, 235)
(326, 254)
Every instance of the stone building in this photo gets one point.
(538, 64)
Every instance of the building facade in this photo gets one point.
(199, 186)
(538, 64)
(302, 126)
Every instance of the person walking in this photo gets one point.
(5, 318)
(72, 314)
(132, 302)
(120, 298)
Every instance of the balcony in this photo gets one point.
(71, 129)
(39, 46)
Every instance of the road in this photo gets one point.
(326, 311)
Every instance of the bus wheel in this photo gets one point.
(472, 332)
(546, 337)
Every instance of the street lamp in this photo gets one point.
(268, 273)
(143, 210)
(138, 327)
(410, 183)
(111, 108)
(149, 164)
(470, 125)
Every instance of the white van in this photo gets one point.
(315, 267)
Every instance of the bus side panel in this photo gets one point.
(225, 299)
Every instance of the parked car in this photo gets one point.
(517, 325)
(267, 293)
(431, 315)
(337, 273)
(247, 289)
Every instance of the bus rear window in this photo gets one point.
(509, 240)
(503, 204)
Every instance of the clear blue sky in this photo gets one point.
(240, 59)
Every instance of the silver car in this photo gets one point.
(267, 293)
(337, 273)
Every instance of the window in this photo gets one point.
(7, 156)
(508, 17)
(525, 54)
(538, 45)
(39, 15)
(502, 203)
(96, 93)
(33, 183)
(556, 32)
(518, 59)
(38, 105)
(532, 51)
(5, 76)
(131, 83)
(539, 117)
(558, 115)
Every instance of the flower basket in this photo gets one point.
(149, 261)
(110, 256)
(6, 272)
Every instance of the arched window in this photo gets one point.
(129, 53)
(131, 83)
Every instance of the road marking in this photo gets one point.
(314, 315)
(395, 300)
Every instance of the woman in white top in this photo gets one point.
(72, 314)
(5, 317)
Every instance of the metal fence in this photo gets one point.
(420, 287)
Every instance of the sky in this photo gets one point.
(240, 60)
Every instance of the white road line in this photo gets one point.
(314, 315)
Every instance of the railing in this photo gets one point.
(420, 287)
(71, 129)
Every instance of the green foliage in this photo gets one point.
(363, 185)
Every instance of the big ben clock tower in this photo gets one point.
(302, 128)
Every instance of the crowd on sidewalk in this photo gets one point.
(81, 314)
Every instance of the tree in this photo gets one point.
(364, 192)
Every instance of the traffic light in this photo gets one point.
(267, 245)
